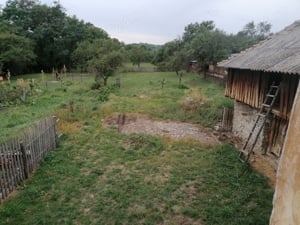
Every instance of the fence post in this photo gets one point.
(24, 158)
(24, 95)
(118, 82)
(55, 119)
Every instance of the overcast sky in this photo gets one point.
(160, 21)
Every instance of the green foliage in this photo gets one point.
(238, 186)
(207, 44)
(104, 65)
(54, 34)
(104, 92)
(88, 51)
(165, 53)
(101, 57)
(139, 53)
(15, 52)
(9, 94)
(144, 67)
(99, 176)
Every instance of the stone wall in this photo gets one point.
(243, 120)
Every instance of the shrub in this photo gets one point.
(104, 92)
(9, 94)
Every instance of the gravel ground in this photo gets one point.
(135, 123)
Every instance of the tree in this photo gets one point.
(208, 46)
(104, 66)
(250, 34)
(165, 52)
(55, 34)
(101, 56)
(263, 29)
(137, 55)
(16, 53)
(177, 62)
(194, 29)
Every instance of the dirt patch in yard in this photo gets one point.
(137, 123)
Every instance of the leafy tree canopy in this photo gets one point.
(100, 56)
(207, 45)
(16, 52)
(54, 34)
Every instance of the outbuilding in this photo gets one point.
(274, 62)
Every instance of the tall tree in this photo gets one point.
(207, 44)
(194, 29)
(138, 54)
(55, 34)
(105, 65)
(16, 53)
(100, 56)
(164, 53)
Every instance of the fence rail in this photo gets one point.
(21, 155)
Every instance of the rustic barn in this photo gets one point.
(274, 62)
(250, 75)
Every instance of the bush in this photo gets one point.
(9, 94)
(104, 92)
(97, 85)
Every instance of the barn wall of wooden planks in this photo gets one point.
(21, 155)
(250, 87)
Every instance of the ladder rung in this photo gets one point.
(244, 156)
(244, 152)
(262, 115)
(274, 86)
(266, 105)
(269, 95)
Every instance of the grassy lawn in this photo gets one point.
(99, 176)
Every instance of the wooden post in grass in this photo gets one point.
(118, 82)
(24, 94)
(163, 82)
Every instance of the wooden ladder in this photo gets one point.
(259, 123)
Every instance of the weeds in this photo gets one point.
(99, 176)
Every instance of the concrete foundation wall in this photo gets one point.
(243, 121)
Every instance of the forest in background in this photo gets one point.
(35, 37)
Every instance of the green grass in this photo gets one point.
(99, 176)
(144, 67)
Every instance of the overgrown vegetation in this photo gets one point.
(52, 40)
(99, 176)
(207, 45)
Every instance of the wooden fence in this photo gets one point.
(217, 78)
(21, 155)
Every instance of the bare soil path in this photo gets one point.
(137, 123)
(140, 123)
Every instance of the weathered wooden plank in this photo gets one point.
(3, 176)
(20, 161)
(9, 168)
(20, 157)
(16, 160)
(25, 161)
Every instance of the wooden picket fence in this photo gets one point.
(21, 155)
